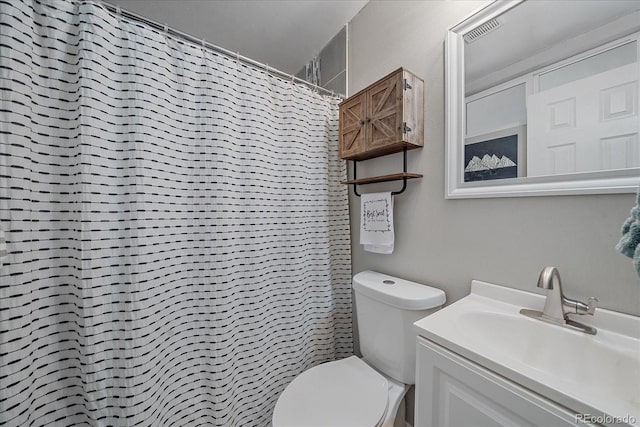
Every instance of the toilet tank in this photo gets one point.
(386, 308)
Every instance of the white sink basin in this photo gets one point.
(594, 374)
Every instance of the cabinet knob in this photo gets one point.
(361, 122)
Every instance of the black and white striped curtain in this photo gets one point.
(177, 242)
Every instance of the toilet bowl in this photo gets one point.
(365, 392)
(343, 393)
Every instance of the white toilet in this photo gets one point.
(365, 392)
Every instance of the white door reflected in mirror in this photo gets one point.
(543, 99)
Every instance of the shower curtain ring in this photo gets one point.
(118, 13)
(166, 29)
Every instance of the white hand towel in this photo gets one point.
(376, 223)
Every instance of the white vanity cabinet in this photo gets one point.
(480, 362)
(452, 391)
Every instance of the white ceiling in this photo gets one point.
(282, 33)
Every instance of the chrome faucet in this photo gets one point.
(557, 307)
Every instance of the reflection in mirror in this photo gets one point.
(543, 99)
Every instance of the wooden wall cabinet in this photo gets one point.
(384, 118)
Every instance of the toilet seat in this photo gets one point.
(346, 392)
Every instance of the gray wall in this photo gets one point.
(447, 243)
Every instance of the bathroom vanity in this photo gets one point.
(482, 363)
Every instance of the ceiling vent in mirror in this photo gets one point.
(482, 30)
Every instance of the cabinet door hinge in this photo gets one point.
(406, 85)
(405, 128)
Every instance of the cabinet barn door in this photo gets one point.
(384, 113)
(352, 121)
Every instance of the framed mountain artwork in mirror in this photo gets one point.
(497, 155)
(542, 99)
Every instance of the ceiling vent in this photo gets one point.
(482, 30)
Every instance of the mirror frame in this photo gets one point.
(597, 182)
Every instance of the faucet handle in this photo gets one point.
(570, 306)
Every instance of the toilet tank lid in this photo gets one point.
(397, 292)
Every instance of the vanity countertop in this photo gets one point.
(588, 374)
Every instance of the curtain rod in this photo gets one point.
(118, 11)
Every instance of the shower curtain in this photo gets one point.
(177, 243)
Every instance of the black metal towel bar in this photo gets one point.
(404, 180)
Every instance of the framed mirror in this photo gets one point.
(542, 99)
